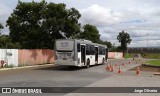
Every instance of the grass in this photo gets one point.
(152, 56)
(128, 55)
(144, 55)
(154, 62)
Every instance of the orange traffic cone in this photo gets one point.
(119, 70)
(107, 68)
(116, 64)
(123, 63)
(129, 62)
(138, 71)
(111, 70)
(110, 67)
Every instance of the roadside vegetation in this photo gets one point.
(149, 56)
(144, 55)
(152, 56)
(154, 62)
(128, 56)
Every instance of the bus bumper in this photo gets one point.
(66, 62)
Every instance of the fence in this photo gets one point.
(115, 55)
(35, 56)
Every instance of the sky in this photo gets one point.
(139, 18)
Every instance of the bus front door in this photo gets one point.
(96, 55)
(83, 54)
(106, 57)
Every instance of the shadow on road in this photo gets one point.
(59, 68)
(64, 68)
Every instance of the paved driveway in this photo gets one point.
(58, 76)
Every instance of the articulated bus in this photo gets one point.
(73, 52)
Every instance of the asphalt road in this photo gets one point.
(53, 76)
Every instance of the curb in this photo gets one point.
(151, 65)
(116, 59)
(25, 67)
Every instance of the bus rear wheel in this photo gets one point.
(88, 63)
(103, 61)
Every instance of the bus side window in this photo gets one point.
(100, 50)
(78, 47)
(88, 49)
(104, 50)
(92, 49)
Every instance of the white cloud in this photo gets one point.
(4, 14)
(137, 17)
(99, 16)
(137, 21)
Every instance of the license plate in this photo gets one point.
(64, 58)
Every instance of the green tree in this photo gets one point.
(38, 24)
(59, 23)
(90, 33)
(5, 41)
(25, 24)
(109, 44)
(72, 27)
(124, 39)
(1, 27)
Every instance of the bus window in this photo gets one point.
(100, 50)
(103, 51)
(92, 49)
(78, 47)
(88, 49)
(106, 54)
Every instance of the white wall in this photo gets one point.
(10, 56)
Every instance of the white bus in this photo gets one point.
(73, 52)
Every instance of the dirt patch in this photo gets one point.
(146, 68)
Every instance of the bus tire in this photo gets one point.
(88, 63)
(103, 61)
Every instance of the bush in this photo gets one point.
(9, 66)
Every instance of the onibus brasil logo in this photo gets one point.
(21, 90)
